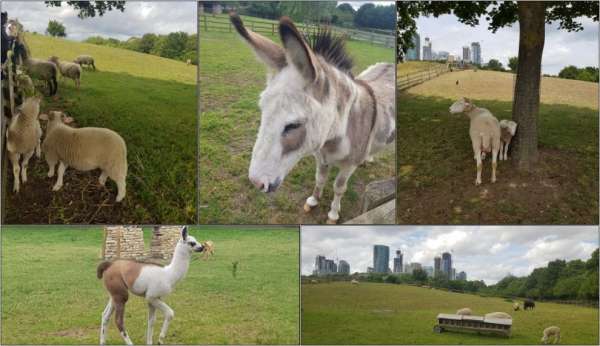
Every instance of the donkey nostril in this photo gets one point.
(259, 185)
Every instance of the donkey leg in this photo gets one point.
(339, 188)
(321, 179)
(168, 313)
(120, 321)
(151, 319)
(14, 159)
(105, 319)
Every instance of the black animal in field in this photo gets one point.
(528, 304)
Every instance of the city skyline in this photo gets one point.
(515, 250)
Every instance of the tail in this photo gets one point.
(101, 268)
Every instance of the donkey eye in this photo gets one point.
(290, 127)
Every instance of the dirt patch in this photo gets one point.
(77, 333)
(549, 195)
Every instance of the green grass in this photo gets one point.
(373, 314)
(151, 102)
(437, 172)
(50, 293)
(231, 80)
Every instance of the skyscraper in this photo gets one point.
(437, 266)
(447, 265)
(415, 52)
(476, 53)
(427, 50)
(466, 56)
(398, 262)
(319, 265)
(381, 258)
(343, 267)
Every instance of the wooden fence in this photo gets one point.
(218, 23)
(406, 81)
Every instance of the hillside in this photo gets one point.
(415, 66)
(151, 102)
(341, 313)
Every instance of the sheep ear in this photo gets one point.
(67, 119)
(184, 233)
(43, 116)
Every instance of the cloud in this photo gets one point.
(486, 253)
(137, 19)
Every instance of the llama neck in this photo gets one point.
(177, 269)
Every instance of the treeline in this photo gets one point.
(176, 45)
(323, 12)
(588, 74)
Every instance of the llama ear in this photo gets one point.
(184, 233)
(266, 50)
(297, 51)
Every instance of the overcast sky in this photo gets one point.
(137, 19)
(561, 48)
(486, 253)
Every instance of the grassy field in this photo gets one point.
(378, 314)
(151, 102)
(231, 80)
(51, 295)
(437, 172)
(415, 66)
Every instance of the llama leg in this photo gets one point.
(14, 158)
(339, 188)
(494, 163)
(24, 165)
(120, 320)
(168, 313)
(59, 181)
(151, 319)
(320, 179)
(479, 167)
(105, 319)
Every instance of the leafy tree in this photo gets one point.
(309, 11)
(173, 45)
(419, 275)
(262, 9)
(378, 17)
(495, 65)
(90, 8)
(343, 15)
(56, 29)
(569, 72)
(147, 43)
(513, 63)
(532, 17)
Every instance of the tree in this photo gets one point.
(309, 11)
(147, 43)
(513, 61)
(419, 275)
(90, 8)
(56, 29)
(378, 17)
(532, 17)
(495, 65)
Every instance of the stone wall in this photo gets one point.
(123, 242)
(163, 241)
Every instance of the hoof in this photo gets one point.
(307, 208)
(477, 182)
(331, 222)
(56, 187)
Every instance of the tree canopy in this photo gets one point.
(56, 29)
(90, 8)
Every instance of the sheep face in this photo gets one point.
(460, 106)
(31, 106)
(56, 118)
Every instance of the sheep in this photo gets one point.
(85, 60)
(42, 70)
(354, 282)
(464, 312)
(502, 315)
(516, 306)
(84, 149)
(188, 62)
(552, 331)
(484, 130)
(23, 138)
(508, 128)
(313, 281)
(23, 84)
(68, 69)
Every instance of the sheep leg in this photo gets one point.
(168, 313)
(102, 179)
(479, 167)
(24, 165)
(38, 147)
(557, 339)
(501, 151)
(51, 166)
(105, 319)
(151, 319)
(59, 181)
(494, 164)
(339, 188)
(14, 158)
(320, 179)
(121, 184)
(506, 149)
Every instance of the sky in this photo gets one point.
(561, 48)
(137, 19)
(487, 253)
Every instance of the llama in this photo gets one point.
(147, 280)
(313, 105)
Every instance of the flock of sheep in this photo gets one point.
(81, 148)
(552, 332)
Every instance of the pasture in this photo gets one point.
(151, 102)
(231, 80)
(436, 170)
(51, 295)
(378, 314)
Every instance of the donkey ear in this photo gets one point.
(266, 50)
(184, 232)
(297, 50)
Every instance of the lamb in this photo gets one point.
(464, 312)
(553, 331)
(68, 69)
(502, 315)
(484, 130)
(23, 138)
(85, 60)
(508, 128)
(354, 282)
(84, 149)
(516, 306)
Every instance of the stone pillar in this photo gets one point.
(122, 242)
(163, 242)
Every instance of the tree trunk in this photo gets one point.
(526, 102)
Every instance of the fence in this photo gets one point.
(219, 23)
(411, 79)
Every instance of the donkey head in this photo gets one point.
(297, 111)
(188, 242)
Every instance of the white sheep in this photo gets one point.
(85, 60)
(502, 315)
(68, 69)
(84, 149)
(354, 282)
(553, 331)
(484, 130)
(508, 128)
(42, 70)
(464, 312)
(516, 306)
(23, 138)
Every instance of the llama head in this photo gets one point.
(189, 243)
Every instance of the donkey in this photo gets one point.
(147, 280)
(313, 105)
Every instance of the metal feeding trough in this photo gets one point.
(477, 324)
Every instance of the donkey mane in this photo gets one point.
(332, 48)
